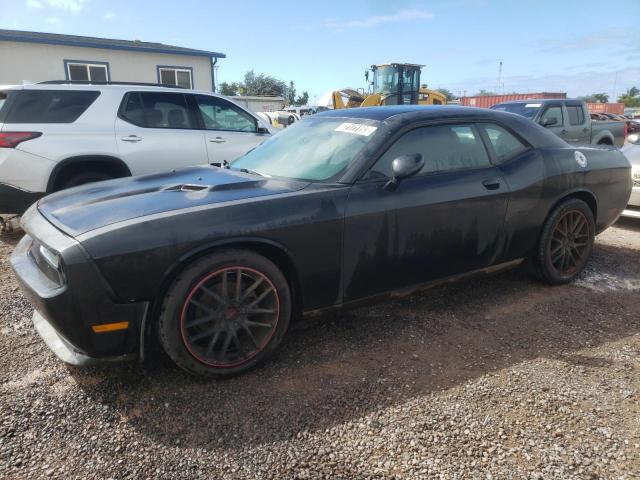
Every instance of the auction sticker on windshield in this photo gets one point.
(357, 129)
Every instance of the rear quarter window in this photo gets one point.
(49, 106)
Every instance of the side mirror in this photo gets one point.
(402, 167)
(547, 122)
(262, 130)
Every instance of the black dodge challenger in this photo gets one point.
(344, 207)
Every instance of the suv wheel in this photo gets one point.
(225, 314)
(84, 177)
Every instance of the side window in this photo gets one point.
(218, 114)
(444, 148)
(553, 112)
(50, 106)
(504, 144)
(576, 114)
(157, 110)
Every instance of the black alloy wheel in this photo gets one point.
(225, 313)
(565, 244)
(569, 243)
(230, 316)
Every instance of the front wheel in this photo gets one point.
(566, 242)
(225, 313)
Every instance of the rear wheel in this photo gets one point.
(82, 178)
(566, 242)
(225, 314)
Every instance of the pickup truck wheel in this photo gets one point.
(225, 314)
(566, 242)
(85, 177)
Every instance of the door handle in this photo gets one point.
(492, 184)
(585, 129)
(563, 132)
(217, 140)
(131, 138)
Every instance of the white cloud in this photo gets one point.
(404, 15)
(52, 21)
(109, 16)
(627, 38)
(73, 6)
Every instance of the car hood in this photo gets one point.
(87, 207)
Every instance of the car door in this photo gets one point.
(158, 131)
(230, 131)
(554, 111)
(577, 127)
(446, 220)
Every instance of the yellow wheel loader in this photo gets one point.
(393, 84)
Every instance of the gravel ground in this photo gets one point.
(495, 377)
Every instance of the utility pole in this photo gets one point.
(499, 76)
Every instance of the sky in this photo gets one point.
(578, 47)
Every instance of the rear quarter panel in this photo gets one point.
(542, 178)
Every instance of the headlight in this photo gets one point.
(51, 257)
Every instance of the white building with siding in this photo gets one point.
(36, 57)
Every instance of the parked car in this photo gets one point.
(342, 207)
(569, 120)
(57, 135)
(632, 152)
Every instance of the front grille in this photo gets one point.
(51, 273)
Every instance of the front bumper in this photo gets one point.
(69, 308)
(16, 201)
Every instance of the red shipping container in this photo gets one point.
(490, 100)
(617, 108)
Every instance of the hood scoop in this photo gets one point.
(188, 187)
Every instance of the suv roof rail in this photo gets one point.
(89, 82)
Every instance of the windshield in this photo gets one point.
(385, 80)
(528, 110)
(312, 149)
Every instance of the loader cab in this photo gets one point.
(397, 83)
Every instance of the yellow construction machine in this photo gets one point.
(393, 84)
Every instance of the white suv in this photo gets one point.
(55, 135)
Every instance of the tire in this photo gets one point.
(83, 178)
(565, 244)
(214, 332)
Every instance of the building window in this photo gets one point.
(180, 76)
(87, 71)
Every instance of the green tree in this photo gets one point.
(231, 89)
(596, 98)
(262, 85)
(447, 93)
(291, 93)
(484, 93)
(631, 98)
(302, 99)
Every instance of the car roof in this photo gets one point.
(416, 111)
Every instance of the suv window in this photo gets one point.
(218, 114)
(505, 145)
(49, 106)
(444, 148)
(553, 112)
(576, 114)
(157, 110)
